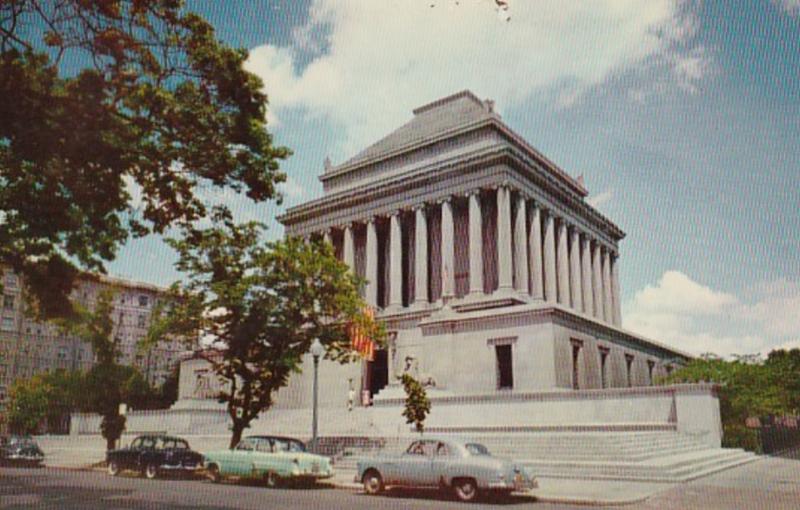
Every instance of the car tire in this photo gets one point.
(271, 479)
(465, 489)
(372, 481)
(213, 474)
(113, 468)
(151, 471)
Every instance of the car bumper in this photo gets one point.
(186, 468)
(22, 461)
(514, 485)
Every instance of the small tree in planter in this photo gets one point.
(418, 405)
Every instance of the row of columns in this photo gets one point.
(540, 256)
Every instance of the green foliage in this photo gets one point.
(45, 398)
(263, 304)
(27, 407)
(418, 405)
(151, 104)
(749, 387)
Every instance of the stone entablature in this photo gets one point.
(430, 184)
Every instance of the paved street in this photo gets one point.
(67, 489)
(770, 483)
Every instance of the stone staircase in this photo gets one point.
(653, 456)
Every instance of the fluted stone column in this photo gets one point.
(520, 248)
(607, 303)
(562, 261)
(475, 244)
(371, 256)
(326, 236)
(395, 262)
(535, 248)
(504, 263)
(550, 287)
(586, 273)
(597, 282)
(576, 294)
(615, 291)
(448, 251)
(420, 257)
(348, 251)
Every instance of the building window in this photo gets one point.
(11, 280)
(141, 320)
(143, 301)
(650, 366)
(576, 356)
(505, 369)
(8, 323)
(603, 366)
(8, 302)
(628, 366)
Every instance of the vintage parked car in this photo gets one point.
(20, 451)
(153, 455)
(273, 459)
(467, 468)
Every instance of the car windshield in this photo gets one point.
(288, 445)
(476, 449)
(21, 441)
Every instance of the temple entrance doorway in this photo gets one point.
(378, 372)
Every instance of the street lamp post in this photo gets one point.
(317, 350)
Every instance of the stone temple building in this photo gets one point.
(499, 287)
(484, 259)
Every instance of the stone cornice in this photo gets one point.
(551, 197)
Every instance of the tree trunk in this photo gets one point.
(238, 427)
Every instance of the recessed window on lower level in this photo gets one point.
(505, 370)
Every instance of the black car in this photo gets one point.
(20, 451)
(153, 455)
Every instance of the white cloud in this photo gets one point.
(791, 7)
(696, 318)
(291, 189)
(600, 199)
(377, 60)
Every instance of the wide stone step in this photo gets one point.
(666, 469)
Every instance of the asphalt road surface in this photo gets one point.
(65, 489)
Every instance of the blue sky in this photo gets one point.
(683, 117)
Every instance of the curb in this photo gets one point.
(353, 486)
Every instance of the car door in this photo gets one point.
(443, 464)
(127, 456)
(242, 458)
(144, 452)
(414, 467)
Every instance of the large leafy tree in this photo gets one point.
(107, 381)
(259, 306)
(99, 98)
(749, 386)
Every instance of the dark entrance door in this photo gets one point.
(378, 372)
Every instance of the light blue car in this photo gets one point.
(467, 468)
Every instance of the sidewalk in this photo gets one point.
(562, 490)
(84, 452)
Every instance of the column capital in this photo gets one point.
(469, 193)
(419, 207)
(444, 199)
